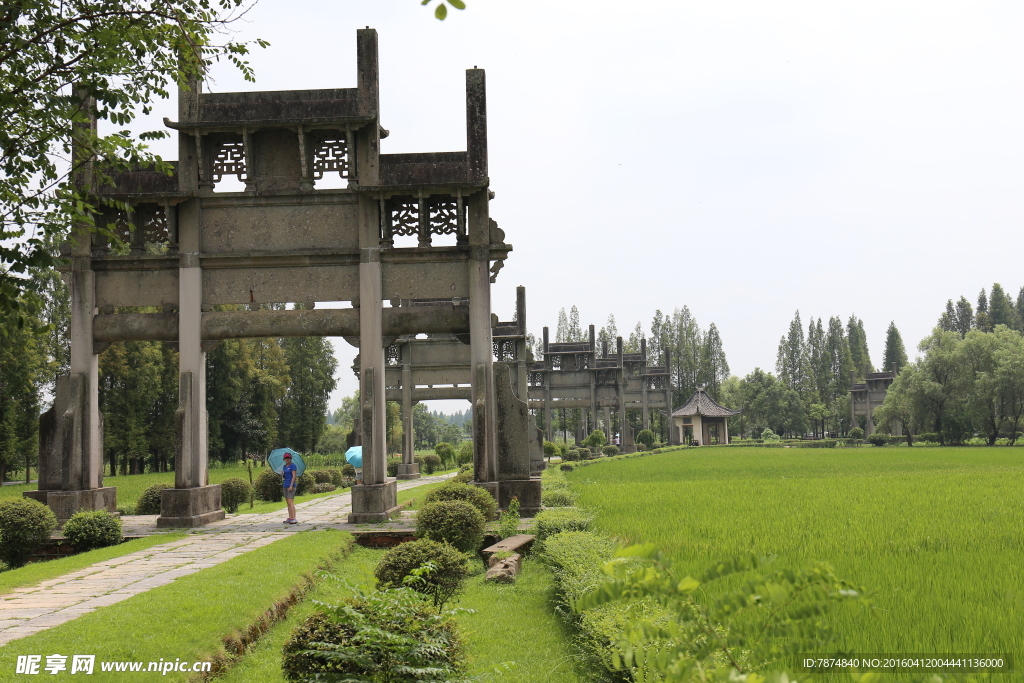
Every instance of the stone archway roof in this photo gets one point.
(702, 404)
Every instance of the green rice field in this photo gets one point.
(936, 533)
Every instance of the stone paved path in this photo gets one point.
(30, 610)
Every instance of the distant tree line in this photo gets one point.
(810, 390)
(970, 378)
(429, 428)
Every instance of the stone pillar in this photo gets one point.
(547, 391)
(409, 469)
(71, 478)
(481, 350)
(643, 382)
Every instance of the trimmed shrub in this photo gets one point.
(325, 487)
(571, 455)
(450, 569)
(563, 448)
(576, 558)
(87, 530)
(431, 462)
(856, 433)
(445, 453)
(149, 501)
(393, 463)
(234, 492)
(558, 520)
(455, 522)
(930, 437)
(349, 470)
(768, 435)
(640, 447)
(645, 437)
(878, 440)
(346, 641)
(465, 454)
(269, 486)
(557, 498)
(474, 495)
(304, 485)
(337, 476)
(464, 476)
(25, 525)
(567, 467)
(596, 439)
(550, 450)
(321, 476)
(610, 450)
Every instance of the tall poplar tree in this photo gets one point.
(311, 368)
(895, 351)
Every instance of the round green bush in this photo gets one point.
(324, 487)
(393, 464)
(321, 476)
(337, 476)
(269, 486)
(571, 455)
(304, 485)
(558, 498)
(878, 440)
(445, 451)
(430, 462)
(25, 525)
(567, 467)
(476, 496)
(440, 585)
(347, 483)
(856, 433)
(87, 530)
(610, 450)
(465, 454)
(370, 656)
(149, 501)
(349, 470)
(234, 492)
(464, 476)
(451, 521)
(645, 437)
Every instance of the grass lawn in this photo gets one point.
(188, 618)
(33, 573)
(936, 532)
(513, 636)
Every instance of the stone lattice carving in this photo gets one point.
(153, 223)
(229, 159)
(444, 217)
(392, 356)
(330, 155)
(405, 218)
(605, 377)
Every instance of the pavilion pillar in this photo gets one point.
(409, 469)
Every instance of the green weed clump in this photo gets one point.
(557, 520)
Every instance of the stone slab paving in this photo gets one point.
(29, 610)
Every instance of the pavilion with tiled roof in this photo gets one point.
(702, 421)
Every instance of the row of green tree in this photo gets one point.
(961, 386)
(696, 358)
(429, 428)
(994, 308)
(810, 392)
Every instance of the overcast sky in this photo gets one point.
(746, 159)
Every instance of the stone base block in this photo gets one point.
(409, 471)
(526, 490)
(66, 503)
(188, 508)
(374, 503)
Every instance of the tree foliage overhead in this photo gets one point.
(64, 64)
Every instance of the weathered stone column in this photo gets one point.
(192, 502)
(409, 469)
(71, 478)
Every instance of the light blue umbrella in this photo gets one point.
(276, 460)
(354, 456)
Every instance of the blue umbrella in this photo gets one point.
(354, 456)
(276, 460)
